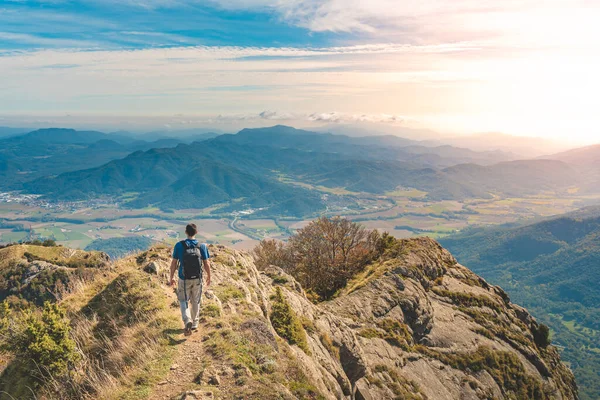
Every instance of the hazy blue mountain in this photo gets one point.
(586, 161)
(213, 183)
(386, 147)
(54, 151)
(367, 129)
(6, 131)
(183, 135)
(70, 136)
(552, 268)
(382, 176)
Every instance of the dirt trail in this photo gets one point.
(185, 366)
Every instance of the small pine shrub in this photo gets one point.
(44, 341)
(286, 323)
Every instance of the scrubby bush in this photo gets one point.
(541, 335)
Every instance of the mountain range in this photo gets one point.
(72, 165)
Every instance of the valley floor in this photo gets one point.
(404, 214)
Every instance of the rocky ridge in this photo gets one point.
(415, 326)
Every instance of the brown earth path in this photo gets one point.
(186, 366)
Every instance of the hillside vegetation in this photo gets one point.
(411, 324)
(552, 268)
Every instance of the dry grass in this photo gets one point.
(123, 328)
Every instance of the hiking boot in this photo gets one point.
(188, 329)
(194, 328)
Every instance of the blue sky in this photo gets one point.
(458, 66)
(139, 24)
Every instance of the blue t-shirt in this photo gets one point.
(178, 253)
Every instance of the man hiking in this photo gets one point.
(191, 257)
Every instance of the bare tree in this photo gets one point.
(324, 255)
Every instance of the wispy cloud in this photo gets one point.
(458, 65)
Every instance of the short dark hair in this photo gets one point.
(191, 229)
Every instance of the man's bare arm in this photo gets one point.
(206, 264)
(173, 269)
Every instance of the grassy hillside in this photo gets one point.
(552, 268)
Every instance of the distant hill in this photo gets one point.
(516, 178)
(54, 151)
(551, 267)
(588, 156)
(525, 147)
(70, 136)
(586, 161)
(382, 176)
(213, 183)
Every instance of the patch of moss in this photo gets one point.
(393, 331)
(226, 293)
(396, 333)
(505, 367)
(468, 299)
(371, 333)
(210, 310)
(497, 327)
(232, 346)
(280, 280)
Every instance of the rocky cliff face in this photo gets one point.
(415, 326)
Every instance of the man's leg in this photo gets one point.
(183, 297)
(195, 299)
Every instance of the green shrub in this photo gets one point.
(211, 310)
(49, 243)
(541, 335)
(286, 323)
(44, 341)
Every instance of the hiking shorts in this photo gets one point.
(189, 290)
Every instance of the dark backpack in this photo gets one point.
(192, 261)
